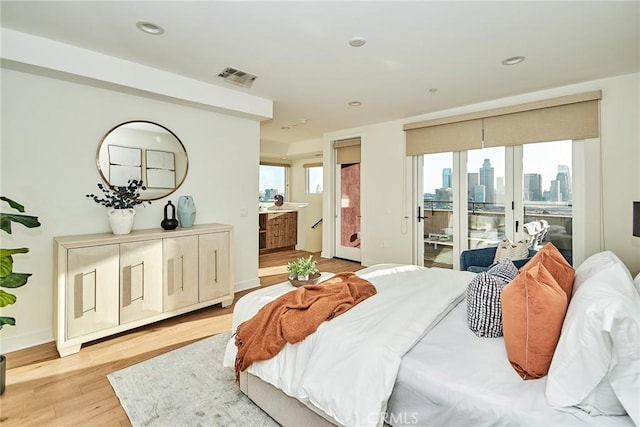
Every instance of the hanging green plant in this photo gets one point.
(8, 278)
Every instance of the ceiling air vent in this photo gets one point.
(238, 77)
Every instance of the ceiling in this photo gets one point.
(419, 57)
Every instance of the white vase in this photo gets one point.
(121, 220)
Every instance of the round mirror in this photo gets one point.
(144, 151)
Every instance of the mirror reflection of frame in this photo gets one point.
(143, 150)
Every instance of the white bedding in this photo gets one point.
(349, 373)
(453, 378)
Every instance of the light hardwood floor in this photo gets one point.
(46, 390)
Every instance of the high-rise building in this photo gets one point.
(472, 181)
(446, 178)
(479, 194)
(532, 186)
(486, 179)
(554, 191)
(564, 179)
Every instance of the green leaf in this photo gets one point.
(14, 280)
(26, 220)
(6, 298)
(7, 321)
(6, 261)
(15, 205)
(8, 252)
(6, 266)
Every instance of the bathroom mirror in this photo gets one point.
(144, 151)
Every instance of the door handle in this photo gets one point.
(517, 224)
(420, 217)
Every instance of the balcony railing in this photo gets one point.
(486, 223)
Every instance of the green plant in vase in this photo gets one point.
(8, 278)
(302, 268)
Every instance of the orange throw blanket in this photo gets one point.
(295, 315)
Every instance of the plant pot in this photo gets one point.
(313, 279)
(3, 373)
(121, 220)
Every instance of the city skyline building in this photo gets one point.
(487, 179)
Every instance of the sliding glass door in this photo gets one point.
(475, 198)
(486, 196)
(436, 210)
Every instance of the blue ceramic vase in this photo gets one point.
(186, 211)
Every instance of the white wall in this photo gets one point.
(387, 234)
(50, 132)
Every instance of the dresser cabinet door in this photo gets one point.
(140, 279)
(214, 265)
(180, 268)
(91, 289)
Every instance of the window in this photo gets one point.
(522, 192)
(273, 181)
(314, 179)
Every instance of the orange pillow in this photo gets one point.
(556, 264)
(533, 309)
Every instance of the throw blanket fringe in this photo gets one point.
(295, 315)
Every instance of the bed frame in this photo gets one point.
(285, 410)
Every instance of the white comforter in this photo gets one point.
(348, 367)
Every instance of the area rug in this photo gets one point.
(186, 387)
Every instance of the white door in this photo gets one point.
(348, 216)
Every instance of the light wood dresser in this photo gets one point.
(106, 284)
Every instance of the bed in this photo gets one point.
(404, 357)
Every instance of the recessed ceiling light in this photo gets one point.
(513, 60)
(357, 41)
(303, 121)
(355, 103)
(285, 127)
(433, 90)
(149, 28)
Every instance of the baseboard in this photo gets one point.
(247, 284)
(7, 345)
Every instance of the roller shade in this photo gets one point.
(460, 136)
(347, 151)
(568, 117)
(275, 162)
(573, 121)
(312, 165)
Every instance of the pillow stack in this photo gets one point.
(534, 305)
(484, 311)
(596, 365)
(508, 250)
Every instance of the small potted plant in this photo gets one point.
(121, 200)
(303, 271)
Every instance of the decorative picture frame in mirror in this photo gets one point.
(146, 151)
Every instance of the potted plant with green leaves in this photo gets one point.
(8, 278)
(121, 199)
(303, 271)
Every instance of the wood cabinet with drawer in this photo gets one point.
(278, 230)
(106, 284)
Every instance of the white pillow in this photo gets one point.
(597, 263)
(509, 250)
(596, 364)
